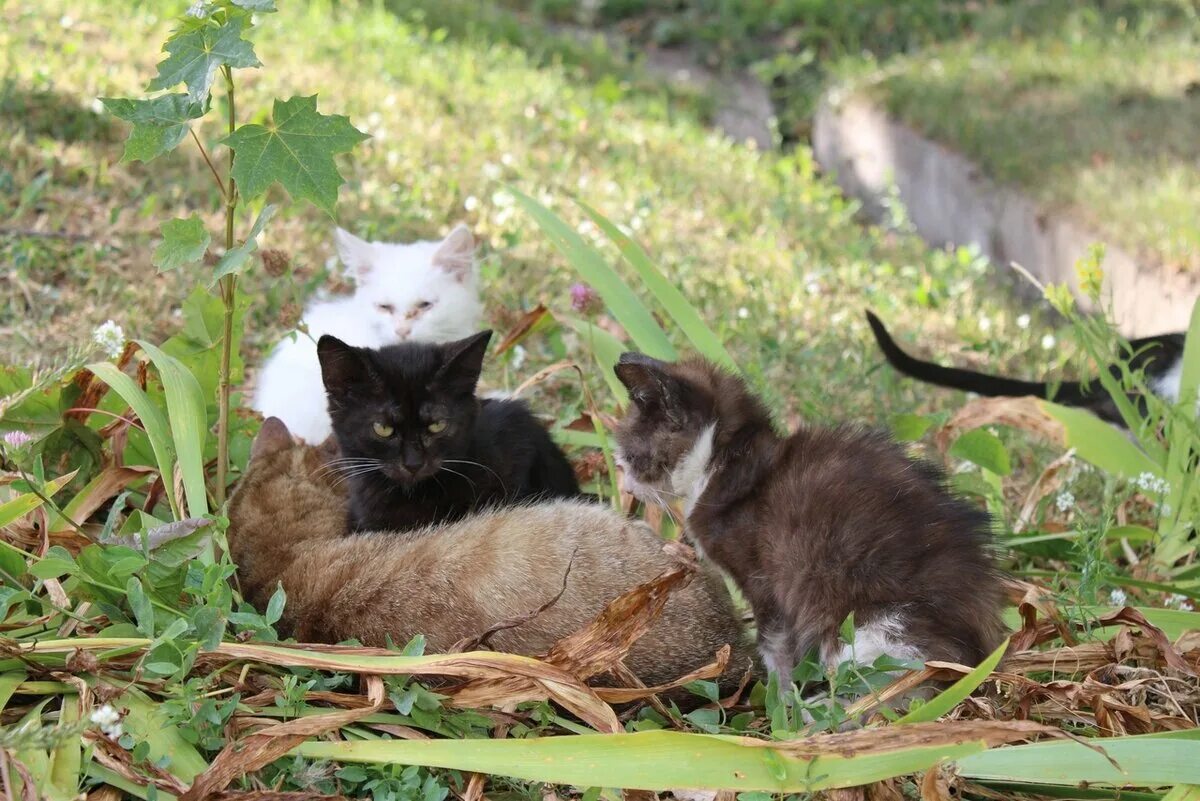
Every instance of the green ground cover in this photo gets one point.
(142, 670)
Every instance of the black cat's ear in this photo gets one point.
(645, 377)
(462, 364)
(342, 366)
(272, 438)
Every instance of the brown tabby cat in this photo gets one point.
(288, 524)
(814, 526)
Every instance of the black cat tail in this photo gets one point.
(1068, 392)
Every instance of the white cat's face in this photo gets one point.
(423, 291)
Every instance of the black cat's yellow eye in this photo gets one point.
(382, 430)
(437, 427)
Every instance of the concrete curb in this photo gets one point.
(950, 201)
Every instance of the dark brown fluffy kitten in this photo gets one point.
(813, 526)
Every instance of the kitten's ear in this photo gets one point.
(272, 438)
(459, 372)
(456, 254)
(357, 254)
(342, 366)
(646, 378)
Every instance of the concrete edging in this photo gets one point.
(951, 201)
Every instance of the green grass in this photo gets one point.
(1090, 107)
(1099, 120)
(769, 252)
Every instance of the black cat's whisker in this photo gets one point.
(474, 488)
(341, 465)
(477, 464)
(346, 476)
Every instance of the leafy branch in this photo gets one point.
(294, 148)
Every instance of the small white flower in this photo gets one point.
(104, 715)
(15, 439)
(108, 719)
(1149, 483)
(985, 324)
(1065, 501)
(518, 357)
(199, 9)
(743, 313)
(491, 171)
(110, 337)
(812, 287)
(1117, 598)
(1165, 509)
(471, 203)
(507, 159)
(1023, 321)
(1048, 342)
(96, 106)
(1176, 600)
(66, 21)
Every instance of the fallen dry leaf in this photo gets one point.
(1023, 413)
(522, 327)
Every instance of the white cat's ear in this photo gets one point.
(357, 254)
(456, 254)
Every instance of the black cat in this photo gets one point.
(1159, 357)
(419, 448)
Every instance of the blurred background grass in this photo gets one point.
(463, 96)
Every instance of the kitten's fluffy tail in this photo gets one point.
(1068, 392)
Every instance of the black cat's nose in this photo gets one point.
(413, 461)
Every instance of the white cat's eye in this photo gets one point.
(423, 305)
(382, 430)
(386, 308)
(437, 427)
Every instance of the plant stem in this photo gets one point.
(208, 161)
(228, 298)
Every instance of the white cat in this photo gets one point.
(423, 291)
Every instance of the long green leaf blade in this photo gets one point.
(188, 421)
(1100, 444)
(656, 760)
(152, 420)
(24, 504)
(1189, 381)
(701, 337)
(591, 266)
(606, 349)
(1145, 761)
(956, 692)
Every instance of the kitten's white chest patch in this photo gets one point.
(690, 477)
(884, 636)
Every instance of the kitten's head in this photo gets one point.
(422, 291)
(286, 476)
(404, 409)
(678, 414)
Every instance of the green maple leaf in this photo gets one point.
(184, 242)
(158, 124)
(295, 148)
(234, 261)
(196, 53)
